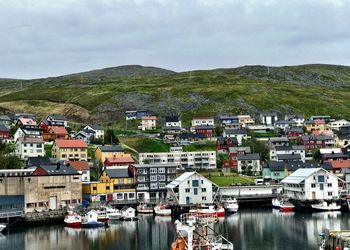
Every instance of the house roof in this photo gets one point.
(111, 148)
(172, 128)
(279, 139)
(343, 136)
(227, 117)
(156, 165)
(191, 136)
(300, 175)
(316, 137)
(149, 118)
(230, 131)
(59, 130)
(239, 149)
(38, 161)
(276, 165)
(340, 164)
(5, 118)
(295, 130)
(27, 121)
(292, 147)
(125, 159)
(283, 122)
(222, 140)
(171, 119)
(184, 177)
(70, 143)
(288, 157)
(119, 173)
(334, 155)
(95, 127)
(58, 170)
(78, 165)
(57, 117)
(247, 157)
(3, 128)
(204, 127)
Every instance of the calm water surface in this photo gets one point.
(248, 230)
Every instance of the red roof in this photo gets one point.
(340, 164)
(116, 160)
(79, 165)
(149, 118)
(71, 143)
(59, 130)
(27, 121)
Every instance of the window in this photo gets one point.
(204, 190)
(154, 185)
(119, 196)
(330, 193)
(187, 190)
(94, 188)
(195, 183)
(313, 185)
(161, 177)
(153, 170)
(329, 185)
(131, 195)
(153, 178)
(320, 178)
(195, 191)
(204, 198)
(162, 185)
(161, 170)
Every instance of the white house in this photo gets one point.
(296, 118)
(29, 147)
(82, 167)
(57, 120)
(240, 134)
(284, 125)
(268, 118)
(278, 141)
(198, 121)
(197, 160)
(287, 150)
(312, 184)
(249, 161)
(148, 123)
(28, 132)
(336, 125)
(99, 132)
(192, 188)
(245, 120)
(172, 121)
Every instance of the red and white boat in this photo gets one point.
(162, 210)
(286, 207)
(211, 210)
(102, 215)
(73, 220)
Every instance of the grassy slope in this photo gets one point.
(311, 89)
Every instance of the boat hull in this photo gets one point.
(2, 227)
(164, 212)
(93, 224)
(145, 211)
(325, 209)
(286, 208)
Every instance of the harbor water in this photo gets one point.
(248, 229)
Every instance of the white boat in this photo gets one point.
(2, 226)
(231, 205)
(128, 213)
(162, 210)
(210, 210)
(113, 214)
(324, 206)
(276, 203)
(144, 209)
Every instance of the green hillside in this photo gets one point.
(305, 89)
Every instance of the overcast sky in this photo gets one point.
(40, 38)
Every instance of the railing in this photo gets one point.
(11, 214)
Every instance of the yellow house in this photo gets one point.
(102, 152)
(315, 125)
(117, 185)
(69, 150)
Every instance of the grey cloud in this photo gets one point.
(41, 38)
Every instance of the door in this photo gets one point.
(53, 202)
(314, 195)
(187, 200)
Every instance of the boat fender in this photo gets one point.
(337, 248)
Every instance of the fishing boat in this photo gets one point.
(286, 207)
(72, 220)
(197, 232)
(102, 215)
(231, 205)
(90, 220)
(113, 214)
(162, 210)
(128, 213)
(144, 209)
(276, 203)
(2, 226)
(217, 210)
(324, 206)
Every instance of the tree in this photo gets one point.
(10, 162)
(110, 137)
(317, 155)
(218, 130)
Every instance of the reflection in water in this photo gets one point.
(247, 229)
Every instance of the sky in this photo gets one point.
(42, 38)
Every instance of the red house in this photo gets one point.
(294, 133)
(223, 144)
(4, 133)
(313, 142)
(232, 162)
(206, 130)
(118, 161)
